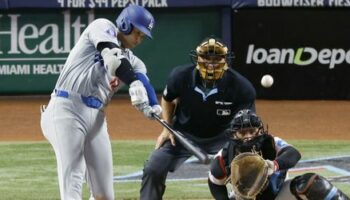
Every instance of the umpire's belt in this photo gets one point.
(89, 101)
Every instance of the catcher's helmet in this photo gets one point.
(135, 16)
(246, 119)
(211, 59)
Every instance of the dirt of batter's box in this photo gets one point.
(313, 120)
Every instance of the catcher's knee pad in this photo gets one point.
(312, 186)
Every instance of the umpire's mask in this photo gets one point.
(211, 58)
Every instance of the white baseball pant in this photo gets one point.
(79, 137)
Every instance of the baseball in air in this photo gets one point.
(267, 81)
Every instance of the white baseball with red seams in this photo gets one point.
(267, 81)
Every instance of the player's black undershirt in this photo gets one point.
(124, 72)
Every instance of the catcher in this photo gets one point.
(256, 164)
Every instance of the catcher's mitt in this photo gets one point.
(249, 175)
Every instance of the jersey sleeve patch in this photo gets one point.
(102, 30)
(111, 32)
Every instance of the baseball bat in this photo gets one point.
(190, 146)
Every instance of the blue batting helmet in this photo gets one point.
(135, 16)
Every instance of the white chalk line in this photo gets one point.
(128, 177)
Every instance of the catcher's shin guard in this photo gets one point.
(312, 186)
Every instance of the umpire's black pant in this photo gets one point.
(169, 158)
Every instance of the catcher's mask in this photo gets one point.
(248, 122)
(211, 59)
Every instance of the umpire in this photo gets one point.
(200, 101)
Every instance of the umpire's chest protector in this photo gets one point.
(209, 110)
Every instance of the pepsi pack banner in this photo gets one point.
(235, 4)
(6, 4)
(307, 52)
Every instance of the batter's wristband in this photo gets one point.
(125, 72)
(152, 97)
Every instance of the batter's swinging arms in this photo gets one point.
(74, 121)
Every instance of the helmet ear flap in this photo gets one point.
(124, 26)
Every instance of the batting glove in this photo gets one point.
(157, 109)
(138, 94)
(146, 109)
(112, 59)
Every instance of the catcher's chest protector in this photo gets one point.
(263, 144)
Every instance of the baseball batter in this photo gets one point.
(199, 100)
(74, 121)
(248, 135)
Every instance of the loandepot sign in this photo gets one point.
(32, 44)
(302, 56)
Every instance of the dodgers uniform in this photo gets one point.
(74, 121)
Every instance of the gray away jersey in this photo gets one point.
(83, 71)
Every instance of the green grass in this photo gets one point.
(28, 169)
(315, 149)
